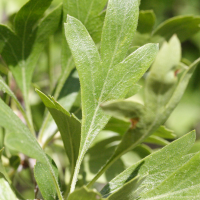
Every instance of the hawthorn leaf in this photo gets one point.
(146, 21)
(182, 184)
(19, 138)
(44, 179)
(118, 30)
(101, 82)
(128, 191)
(84, 194)
(68, 125)
(183, 26)
(89, 12)
(159, 166)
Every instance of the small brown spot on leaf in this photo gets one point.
(134, 122)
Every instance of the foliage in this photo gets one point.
(114, 85)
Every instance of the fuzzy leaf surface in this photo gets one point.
(44, 179)
(159, 166)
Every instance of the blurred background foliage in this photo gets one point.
(184, 118)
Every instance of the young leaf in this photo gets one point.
(183, 26)
(158, 166)
(84, 194)
(44, 179)
(19, 138)
(112, 77)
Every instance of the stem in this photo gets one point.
(49, 63)
(28, 115)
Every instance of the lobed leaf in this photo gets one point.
(112, 76)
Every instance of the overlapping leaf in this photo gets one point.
(19, 138)
(157, 168)
(183, 26)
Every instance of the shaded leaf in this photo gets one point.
(123, 109)
(152, 139)
(128, 191)
(5, 190)
(146, 21)
(183, 26)
(164, 132)
(84, 194)
(68, 125)
(158, 166)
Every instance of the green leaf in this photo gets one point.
(123, 109)
(111, 79)
(68, 125)
(128, 191)
(159, 166)
(84, 194)
(5, 190)
(146, 21)
(44, 179)
(182, 184)
(19, 138)
(66, 98)
(152, 139)
(183, 26)
(163, 132)
(2, 169)
(118, 30)
(134, 90)
(117, 125)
